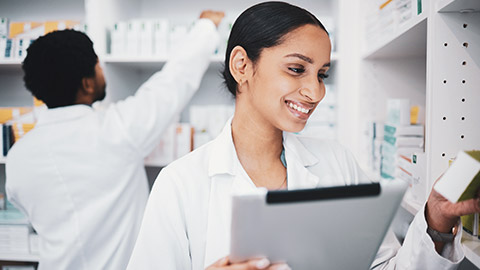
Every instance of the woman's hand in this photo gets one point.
(443, 216)
(257, 264)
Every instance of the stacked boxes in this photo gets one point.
(384, 17)
(14, 231)
(401, 140)
(16, 37)
(147, 37)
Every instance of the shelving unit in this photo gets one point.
(19, 257)
(408, 41)
(457, 6)
(437, 53)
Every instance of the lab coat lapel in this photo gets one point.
(225, 181)
(298, 160)
(219, 214)
(218, 226)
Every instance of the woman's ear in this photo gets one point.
(239, 65)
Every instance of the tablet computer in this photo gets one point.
(322, 228)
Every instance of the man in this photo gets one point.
(79, 174)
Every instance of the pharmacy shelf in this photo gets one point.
(146, 61)
(408, 41)
(154, 164)
(19, 257)
(458, 6)
(471, 245)
(10, 64)
(409, 204)
(3, 160)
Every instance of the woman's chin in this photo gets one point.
(294, 128)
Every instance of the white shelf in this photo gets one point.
(10, 64)
(410, 206)
(471, 246)
(458, 6)
(19, 257)
(146, 61)
(153, 164)
(3, 160)
(408, 41)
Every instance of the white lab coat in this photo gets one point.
(187, 220)
(79, 174)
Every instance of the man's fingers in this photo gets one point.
(466, 207)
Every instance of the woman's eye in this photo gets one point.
(297, 70)
(322, 76)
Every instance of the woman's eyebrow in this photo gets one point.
(305, 58)
(301, 56)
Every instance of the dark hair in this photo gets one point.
(56, 64)
(263, 26)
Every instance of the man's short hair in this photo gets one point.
(55, 65)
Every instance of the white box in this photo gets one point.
(462, 179)
(160, 37)
(398, 112)
(133, 37)
(118, 39)
(146, 37)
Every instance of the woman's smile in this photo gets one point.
(299, 110)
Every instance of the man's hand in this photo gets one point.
(215, 16)
(442, 215)
(257, 264)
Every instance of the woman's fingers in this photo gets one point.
(256, 264)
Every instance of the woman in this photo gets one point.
(276, 60)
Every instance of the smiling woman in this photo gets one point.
(277, 57)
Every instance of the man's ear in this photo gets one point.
(88, 86)
(240, 65)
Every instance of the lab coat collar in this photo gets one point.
(63, 114)
(299, 159)
(223, 153)
(292, 143)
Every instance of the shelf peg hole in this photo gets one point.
(465, 44)
(463, 118)
(463, 99)
(445, 44)
(462, 136)
(444, 81)
(443, 154)
(464, 63)
(444, 118)
(465, 25)
(463, 81)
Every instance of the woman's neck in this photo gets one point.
(259, 146)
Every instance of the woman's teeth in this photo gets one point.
(298, 108)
